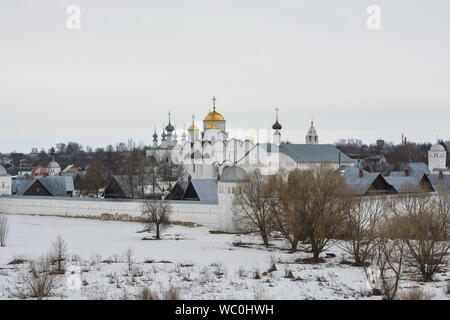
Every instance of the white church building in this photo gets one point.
(205, 152)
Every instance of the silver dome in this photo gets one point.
(233, 174)
(3, 171)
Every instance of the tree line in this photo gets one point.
(313, 209)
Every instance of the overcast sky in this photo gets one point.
(133, 61)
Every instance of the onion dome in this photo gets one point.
(211, 125)
(214, 115)
(193, 126)
(437, 147)
(276, 125)
(233, 174)
(53, 164)
(170, 127)
(155, 136)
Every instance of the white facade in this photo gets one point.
(437, 158)
(5, 182)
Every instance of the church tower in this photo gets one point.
(163, 139)
(169, 128)
(214, 119)
(312, 137)
(437, 157)
(277, 127)
(155, 139)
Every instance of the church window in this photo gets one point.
(310, 138)
(315, 138)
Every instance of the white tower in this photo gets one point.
(312, 136)
(5, 182)
(227, 184)
(437, 157)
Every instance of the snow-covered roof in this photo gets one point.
(314, 153)
(440, 183)
(57, 186)
(360, 184)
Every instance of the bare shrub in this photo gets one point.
(288, 273)
(273, 264)
(38, 280)
(242, 272)
(389, 258)
(145, 293)
(156, 215)
(4, 229)
(415, 293)
(129, 258)
(59, 253)
(171, 293)
(259, 293)
(256, 274)
(425, 221)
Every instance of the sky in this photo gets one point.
(132, 62)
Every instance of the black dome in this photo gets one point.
(276, 126)
(170, 127)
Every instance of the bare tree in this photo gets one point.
(4, 229)
(59, 252)
(319, 197)
(129, 257)
(389, 258)
(168, 171)
(360, 225)
(156, 215)
(284, 209)
(93, 181)
(253, 207)
(424, 220)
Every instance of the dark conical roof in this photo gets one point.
(276, 126)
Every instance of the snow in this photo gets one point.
(200, 264)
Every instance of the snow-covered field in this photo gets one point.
(201, 265)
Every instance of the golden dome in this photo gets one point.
(214, 116)
(193, 127)
(211, 125)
